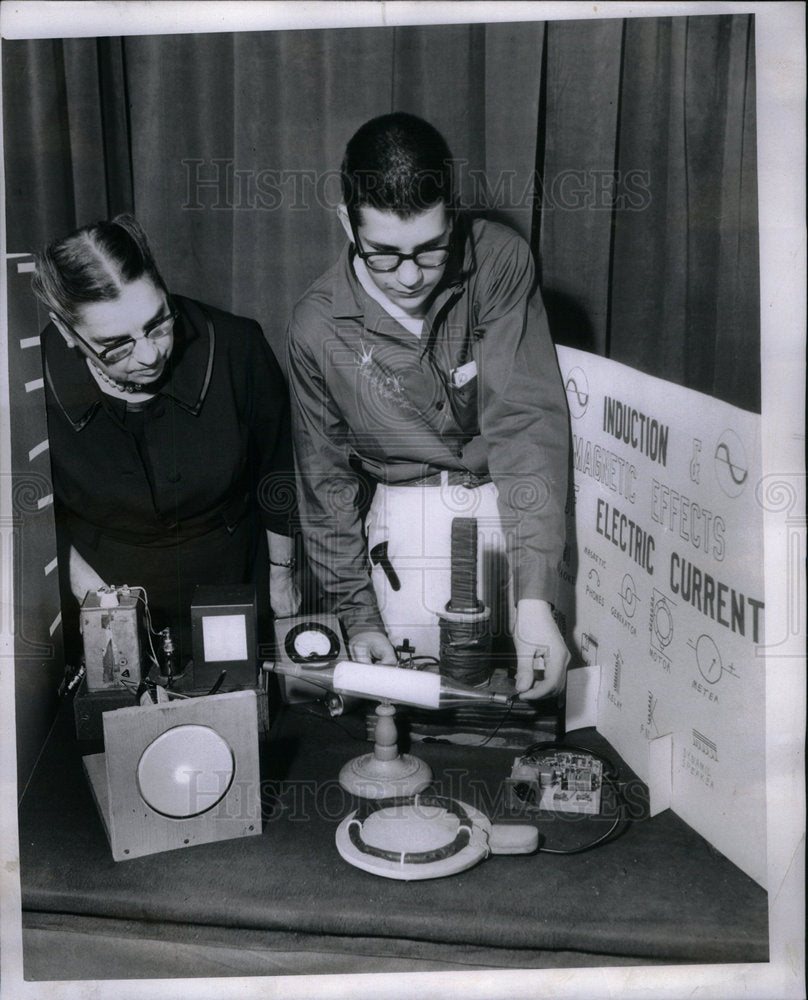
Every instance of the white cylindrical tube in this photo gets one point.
(405, 687)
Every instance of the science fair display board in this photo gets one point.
(662, 591)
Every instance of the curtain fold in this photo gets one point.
(577, 178)
(511, 126)
(237, 177)
(650, 263)
(115, 134)
(737, 336)
(439, 74)
(40, 200)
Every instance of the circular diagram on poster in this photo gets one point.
(663, 623)
(628, 595)
(708, 659)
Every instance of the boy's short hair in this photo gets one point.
(397, 163)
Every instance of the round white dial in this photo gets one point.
(313, 643)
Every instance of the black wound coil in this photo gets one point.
(465, 629)
(464, 566)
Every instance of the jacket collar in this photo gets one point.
(190, 367)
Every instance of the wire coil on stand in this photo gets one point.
(465, 647)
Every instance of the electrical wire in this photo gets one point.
(499, 725)
(144, 599)
(298, 710)
(423, 659)
(598, 840)
(135, 689)
(534, 750)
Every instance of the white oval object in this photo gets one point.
(185, 771)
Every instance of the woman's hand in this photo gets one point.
(539, 646)
(284, 594)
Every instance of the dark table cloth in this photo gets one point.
(657, 893)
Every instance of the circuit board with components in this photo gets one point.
(556, 781)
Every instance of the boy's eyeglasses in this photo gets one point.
(390, 260)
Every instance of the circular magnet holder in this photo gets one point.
(414, 837)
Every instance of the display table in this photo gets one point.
(286, 902)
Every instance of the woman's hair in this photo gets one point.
(397, 163)
(93, 264)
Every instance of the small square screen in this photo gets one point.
(225, 637)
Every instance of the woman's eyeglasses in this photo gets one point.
(120, 351)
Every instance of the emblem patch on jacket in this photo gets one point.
(385, 386)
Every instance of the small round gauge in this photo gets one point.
(311, 642)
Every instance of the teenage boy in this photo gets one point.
(423, 375)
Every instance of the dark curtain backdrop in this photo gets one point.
(623, 149)
(647, 226)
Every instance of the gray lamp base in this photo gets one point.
(385, 773)
(371, 778)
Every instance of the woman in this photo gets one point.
(169, 431)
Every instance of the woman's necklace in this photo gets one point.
(120, 386)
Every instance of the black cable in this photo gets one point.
(297, 710)
(424, 659)
(498, 725)
(218, 682)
